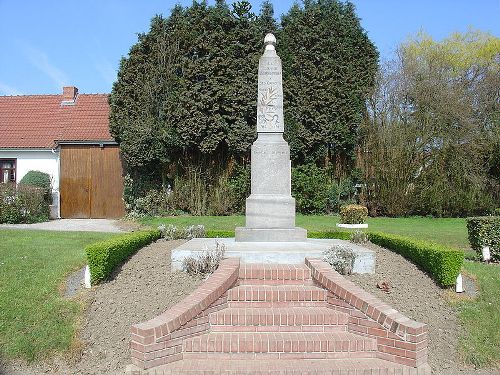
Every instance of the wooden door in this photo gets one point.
(91, 183)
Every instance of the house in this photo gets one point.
(66, 136)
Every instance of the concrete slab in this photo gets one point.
(73, 225)
(273, 252)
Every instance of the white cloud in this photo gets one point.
(41, 61)
(9, 90)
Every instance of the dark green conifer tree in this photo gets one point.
(329, 68)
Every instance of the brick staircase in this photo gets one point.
(273, 319)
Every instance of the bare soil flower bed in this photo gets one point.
(144, 287)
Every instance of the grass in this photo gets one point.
(447, 231)
(480, 343)
(34, 319)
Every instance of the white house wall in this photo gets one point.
(44, 161)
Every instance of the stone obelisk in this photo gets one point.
(270, 208)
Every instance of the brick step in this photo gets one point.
(350, 366)
(278, 317)
(277, 293)
(274, 272)
(301, 344)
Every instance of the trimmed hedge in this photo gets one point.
(103, 257)
(40, 180)
(441, 262)
(337, 235)
(485, 231)
(220, 233)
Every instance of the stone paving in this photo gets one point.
(76, 225)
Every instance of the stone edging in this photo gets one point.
(154, 342)
(399, 338)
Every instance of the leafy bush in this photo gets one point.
(341, 258)
(310, 188)
(359, 236)
(485, 231)
(22, 204)
(240, 184)
(341, 192)
(40, 180)
(103, 257)
(171, 232)
(206, 262)
(441, 262)
(353, 214)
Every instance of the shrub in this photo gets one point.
(22, 204)
(310, 187)
(171, 232)
(240, 186)
(336, 235)
(206, 262)
(485, 231)
(341, 258)
(103, 257)
(220, 233)
(353, 214)
(359, 236)
(40, 180)
(441, 262)
(341, 192)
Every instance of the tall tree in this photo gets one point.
(436, 112)
(329, 69)
(185, 94)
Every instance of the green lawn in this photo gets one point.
(480, 344)
(34, 319)
(448, 231)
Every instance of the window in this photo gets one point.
(7, 170)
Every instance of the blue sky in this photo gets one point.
(47, 44)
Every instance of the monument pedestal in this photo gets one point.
(282, 252)
(270, 234)
(245, 234)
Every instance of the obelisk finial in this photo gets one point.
(270, 42)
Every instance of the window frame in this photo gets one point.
(12, 171)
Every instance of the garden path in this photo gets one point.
(76, 225)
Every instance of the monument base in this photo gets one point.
(245, 234)
(273, 252)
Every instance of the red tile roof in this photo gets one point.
(39, 121)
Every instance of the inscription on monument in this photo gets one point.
(270, 94)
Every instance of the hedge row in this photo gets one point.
(441, 262)
(220, 233)
(337, 235)
(103, 257)
(485, 231)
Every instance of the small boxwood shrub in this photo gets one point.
(103, 257)
(485, 231)
(22, 204)
(441, 262)
(353, 214)
(40, 180)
